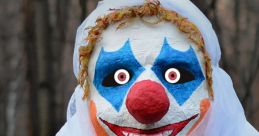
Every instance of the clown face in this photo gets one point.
(146, 80)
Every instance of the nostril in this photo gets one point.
(147, 102)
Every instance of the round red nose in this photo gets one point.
(147, 102)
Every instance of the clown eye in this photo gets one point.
(172, 75)
(176, 76)
(117, 78)
(121, 76)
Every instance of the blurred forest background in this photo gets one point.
(36, 48)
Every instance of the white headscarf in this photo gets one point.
(226, 116)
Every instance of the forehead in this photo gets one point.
(146, 40)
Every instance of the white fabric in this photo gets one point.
(78, 124)
(226, 116)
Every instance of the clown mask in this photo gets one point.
(146, 79)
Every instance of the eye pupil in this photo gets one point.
(122, 76)
(172, 75)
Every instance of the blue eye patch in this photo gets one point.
(109, 62)
(186, 61)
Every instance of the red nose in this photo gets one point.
(147, 102)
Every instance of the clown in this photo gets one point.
(150, 68)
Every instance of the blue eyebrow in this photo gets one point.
(187, 60)
(109, 62)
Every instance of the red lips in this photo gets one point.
(168, 130)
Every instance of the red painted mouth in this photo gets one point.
(168, 130)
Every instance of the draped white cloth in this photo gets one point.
(226, 115)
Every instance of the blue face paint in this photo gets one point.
(107, 64)
(188, 62)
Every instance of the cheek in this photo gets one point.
(98, 128)
(204, 107)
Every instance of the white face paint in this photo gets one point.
(146, 42)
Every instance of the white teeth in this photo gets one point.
(125, 133)
(134, 134)
(165, 133)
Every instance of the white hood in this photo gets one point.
(226, 115)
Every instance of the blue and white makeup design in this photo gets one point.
(189, 69)
(107, 65)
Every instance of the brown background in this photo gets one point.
(36, 48)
